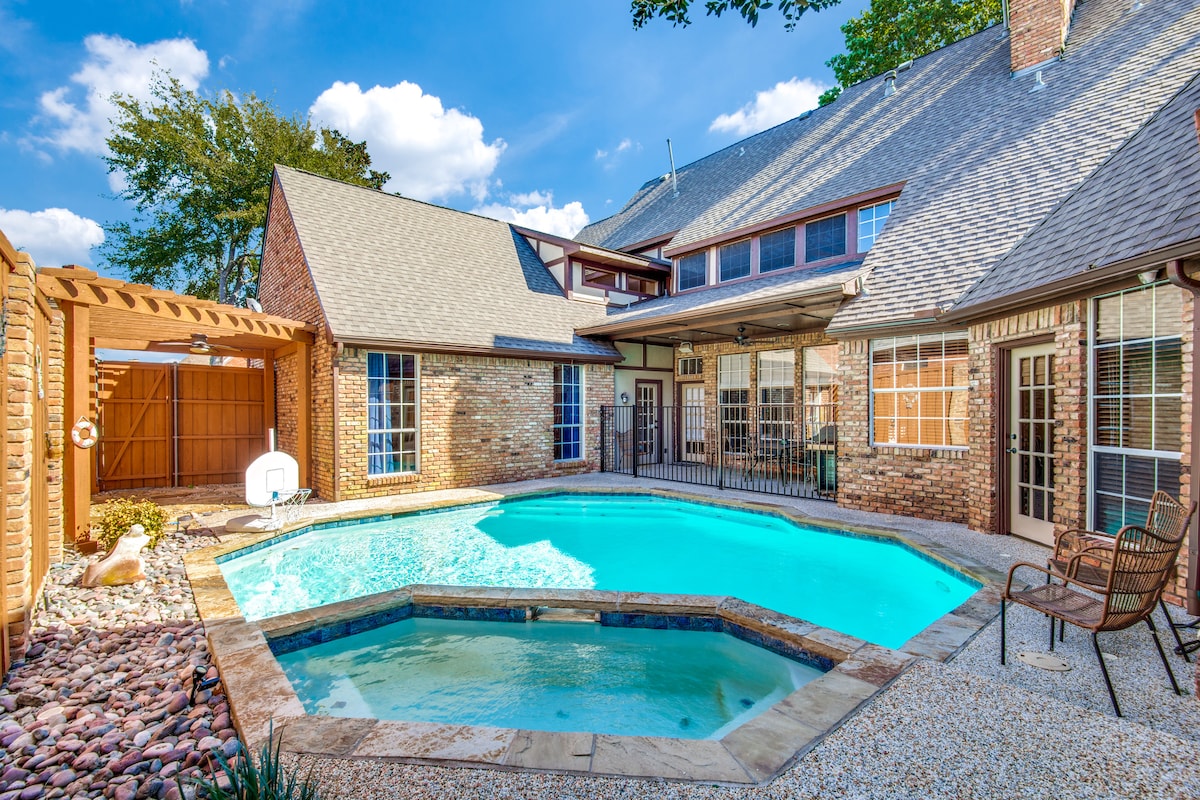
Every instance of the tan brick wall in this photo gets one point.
(1037, 30)
(482, 420)
(285, 288)
(28, 460)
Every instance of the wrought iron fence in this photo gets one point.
(776, 449)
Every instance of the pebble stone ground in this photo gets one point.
(98, 710)
(102, 706)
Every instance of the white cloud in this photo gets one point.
(431, 152)
(539, 213)
(612, 156)
(786, 100)
(624, 145)
(79, 115)
(53, 237)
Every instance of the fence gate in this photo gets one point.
(164, 425)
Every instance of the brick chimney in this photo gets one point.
(1037, 30)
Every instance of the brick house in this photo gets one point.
(896, 236)
(446, 352)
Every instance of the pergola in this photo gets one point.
(107, 313)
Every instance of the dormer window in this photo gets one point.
(644, 286)
(777, 250)
(603, 278)
(735, 260)
(871, 220)
(825, 238)
(692, 271)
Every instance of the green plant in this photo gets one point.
(118, 515)
(263, 778)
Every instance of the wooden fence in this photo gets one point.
(177, 424)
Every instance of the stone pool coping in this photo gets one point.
(260, 694)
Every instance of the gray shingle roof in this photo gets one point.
(1146, 196)
(982, 158)
(387, 268)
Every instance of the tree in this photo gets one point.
(676, 10)
(891, 32)
(198, 173)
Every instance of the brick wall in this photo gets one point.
(285, 288)
(482, 420)
(27, 460)
(1037, 30)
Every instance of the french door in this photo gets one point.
(1030, 445)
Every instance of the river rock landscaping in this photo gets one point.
(103, 705)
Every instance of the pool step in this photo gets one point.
(546, 614)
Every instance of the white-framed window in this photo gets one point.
(692, 365)
(1136, 402)
(568, 412)
(692, 270)
(393, 427)
(871, 220)
(733, 396)
(777, 250)
(919, 390)
(734, 260)
(776, 394)
(825, 238)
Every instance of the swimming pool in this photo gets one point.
(870, 587)
(548, 676)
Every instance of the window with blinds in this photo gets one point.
(1136, 402)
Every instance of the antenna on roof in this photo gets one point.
(674, 180)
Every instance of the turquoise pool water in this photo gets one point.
(548, 676)
(874, 589)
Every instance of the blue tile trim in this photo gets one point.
(473, 614)
(290, 643)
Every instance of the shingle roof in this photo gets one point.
(1146, 196)
(982, 158)
(387, 268)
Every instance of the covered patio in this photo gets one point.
(105, 313)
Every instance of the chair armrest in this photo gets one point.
(1024, 564)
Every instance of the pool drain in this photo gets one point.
(1044, 661)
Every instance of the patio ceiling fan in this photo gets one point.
(199, 344)
(741, 339)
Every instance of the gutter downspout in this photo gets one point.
(1178, 277)
(337, 450)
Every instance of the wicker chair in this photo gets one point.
(1140, 563)
(1085, 555)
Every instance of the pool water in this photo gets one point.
(875, 589)
(549, 676)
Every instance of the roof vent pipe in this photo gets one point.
(1004, 14)
(889, 83)
(674, 180)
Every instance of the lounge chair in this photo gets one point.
(1085, 556)
(1140, 564)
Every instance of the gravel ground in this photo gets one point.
(111, 664)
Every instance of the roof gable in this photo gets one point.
(397, 272)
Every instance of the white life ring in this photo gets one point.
(84, 433)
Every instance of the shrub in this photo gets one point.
(261, 779)
(120, 514)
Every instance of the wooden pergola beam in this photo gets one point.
(77, 497)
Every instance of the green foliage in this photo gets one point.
(121, 513)
(891, 32)
(261, 779)
(198, 171)
(677, 10)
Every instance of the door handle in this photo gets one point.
(1012, 450)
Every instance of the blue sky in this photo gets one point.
(550, 113)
